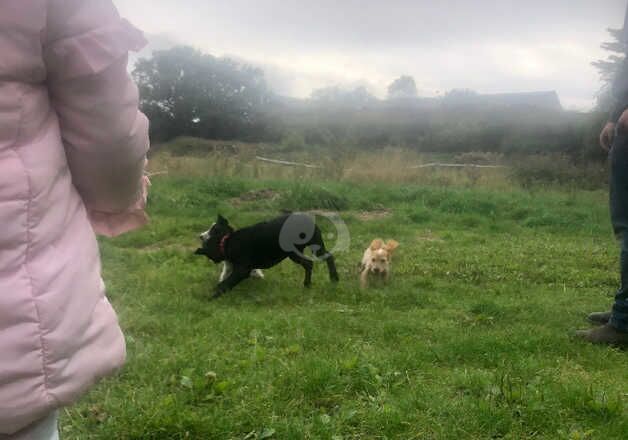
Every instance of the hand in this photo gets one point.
(114, 224)
(622, 124)
(608, 134)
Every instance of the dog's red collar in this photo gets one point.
(223, 242)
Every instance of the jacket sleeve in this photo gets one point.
(96, 101)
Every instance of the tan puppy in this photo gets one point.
(376, 260)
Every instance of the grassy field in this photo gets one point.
(470, 340)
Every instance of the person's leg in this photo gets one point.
(44, 429)
(619, 219)
(616, 331)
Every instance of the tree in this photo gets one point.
(460, 98)
(403, 87)
(186, 92)
(327, 94)
(609, 67)
(358, 97)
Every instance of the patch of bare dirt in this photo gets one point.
(377, 214)
(252, 196)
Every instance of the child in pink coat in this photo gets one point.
(72, 152)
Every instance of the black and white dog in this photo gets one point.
(263, 245)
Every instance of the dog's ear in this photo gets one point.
(391, 246)
(200, 251)
(221, 221)
(377, 244)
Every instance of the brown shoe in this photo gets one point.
(600, 318)
(604, 335)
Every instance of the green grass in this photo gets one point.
(470, 340)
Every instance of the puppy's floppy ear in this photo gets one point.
(391, 246)
(200, 251)
(377, 244)
(222, 221)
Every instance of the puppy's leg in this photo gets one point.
(307, 265)
(257, 273)
(364, 278)
(227, 269)
(237, 275)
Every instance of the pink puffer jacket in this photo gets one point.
(71, 142)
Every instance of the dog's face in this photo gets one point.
(378, 257)
(211, 239)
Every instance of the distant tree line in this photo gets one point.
(187, 93)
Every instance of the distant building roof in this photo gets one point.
(542, 100)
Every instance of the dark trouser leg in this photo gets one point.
(619, 218)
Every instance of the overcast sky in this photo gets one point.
(487, 45)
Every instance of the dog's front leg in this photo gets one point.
(364, 278)
(227, 269)
(234, 278)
